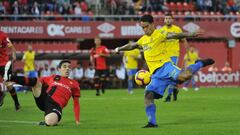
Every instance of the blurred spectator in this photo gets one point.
(78, 73)
(64, 9)
(226, 67)
(35, 10)
(77, 9)
(208, 4)
(232, 5)
(53, 71)
(213, 68)
(112, 7)
(2, 9)
(121, 75)
(88, 80)
(15, 10)
(46, 71)
(84, 6)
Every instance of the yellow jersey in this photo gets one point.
(130, 58)
(154, 49)
(29, 58)
(172, 44)
(190, 58)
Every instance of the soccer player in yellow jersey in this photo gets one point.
(29, 62)
(29, 66)
(130, 59)
(164, 73)
(189, 58)
(173, 49)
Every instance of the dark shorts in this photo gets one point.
(47, 104)
(101, 73)
(2, 70)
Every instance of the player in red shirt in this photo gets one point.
(6, 68)
(98, 56)
(52, 93)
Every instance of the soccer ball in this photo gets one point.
(142, 77)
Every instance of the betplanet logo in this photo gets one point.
(213, 77)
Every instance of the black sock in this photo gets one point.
(97, 91)
(24, 80)
(14, 96)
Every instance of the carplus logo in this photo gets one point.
(55, 30)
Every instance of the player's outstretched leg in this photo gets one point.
(168, 98)
(187, 74)
(33, 82)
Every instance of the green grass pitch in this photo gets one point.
(209, 111)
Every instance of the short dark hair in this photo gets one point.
(169, 14)
(147, 18)
(62, 62)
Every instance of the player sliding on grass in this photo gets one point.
(164, 73)
(53, 93)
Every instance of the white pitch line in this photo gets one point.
(16, 121)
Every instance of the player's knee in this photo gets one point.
(149, 98)
(51, 119)
(184, 76)
(149, 95)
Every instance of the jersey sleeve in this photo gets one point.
(91, 51)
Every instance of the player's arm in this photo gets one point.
(76, 104)
(127, 47)
(105, 53)
(24, 57)
(10, 45)
(185, 43)
(76, 109)
(184, 35)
